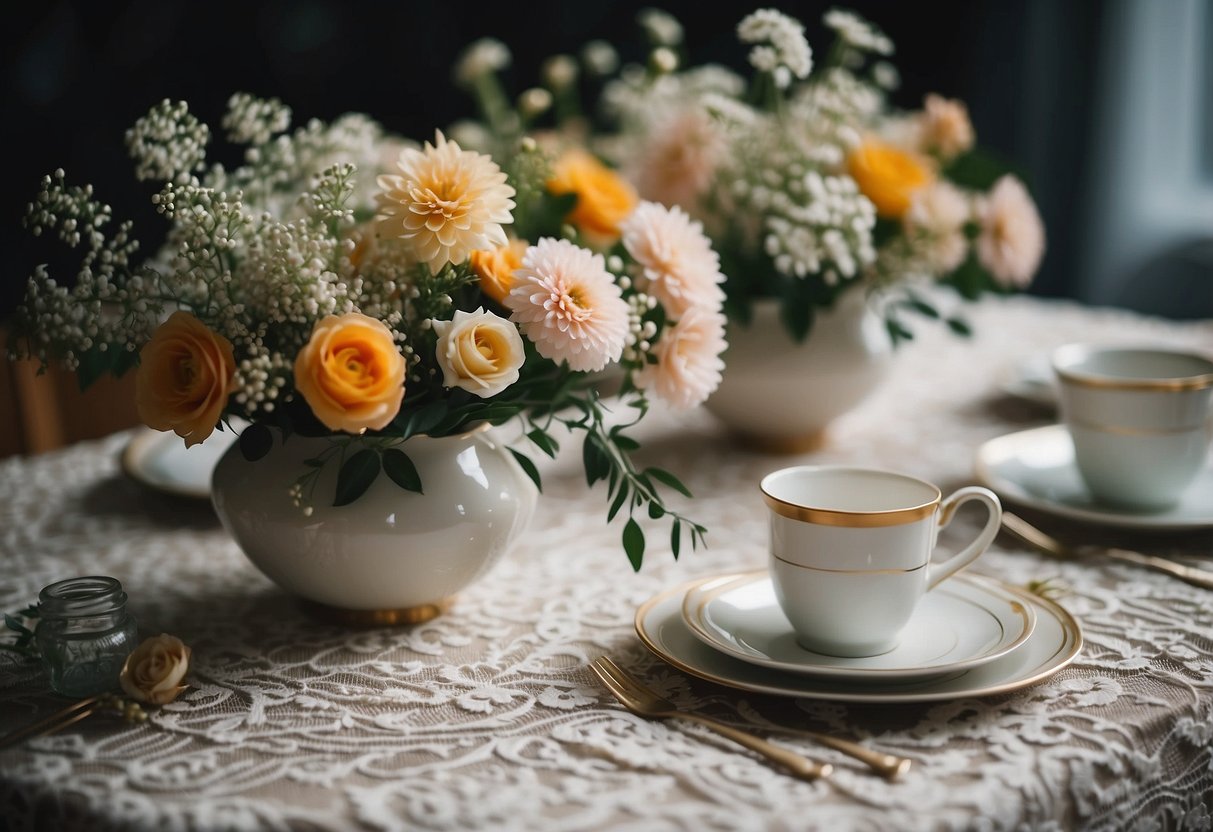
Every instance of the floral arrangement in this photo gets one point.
(806, 179)
(342, 282)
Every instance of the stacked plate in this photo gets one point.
(161, 462)
(971, 636)
(1036, 468)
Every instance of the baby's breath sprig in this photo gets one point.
(168, 142)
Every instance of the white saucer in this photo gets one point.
(962, 624)
(161, 461)
(1053, 644)
(1035, 468)
(1033, 379)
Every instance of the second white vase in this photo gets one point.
(778, 395)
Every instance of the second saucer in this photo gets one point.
(963, 623)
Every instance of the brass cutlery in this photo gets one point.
(1034, 537)
(55, 722)
(642, 701)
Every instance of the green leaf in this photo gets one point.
(255, 441)
(655, 510)
(13, 624)
(356, 476)
(977, 170)
(960, 327)
(897, 332)
(668, 479)
(797, 318)
(528, 467)
(922, 308)
(424, 419)
(676, 537)
(617, 503)
(625, 443)
(633, 543)
(594, 458)
(401, 470)
(544, 441)
(93, 364)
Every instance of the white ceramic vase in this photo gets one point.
(778, 395)
(391, 556)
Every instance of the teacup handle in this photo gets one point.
(947, 510)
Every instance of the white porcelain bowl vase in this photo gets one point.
(778, 395)
(391, 556)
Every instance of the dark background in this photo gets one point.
(78, 74)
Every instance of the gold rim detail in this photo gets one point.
(378, 618)
(1129, 431)
(852, 571)
(1200, 381)
(851, 519)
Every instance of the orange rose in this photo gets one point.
(604, 198)
(495, 268)
(184, 378)
(351, 373)
(888, 176)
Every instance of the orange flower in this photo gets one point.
(888, 176)
(495, 267)
(351, 373)
(184, 378)
(604, 198)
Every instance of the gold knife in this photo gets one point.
(1033, 536)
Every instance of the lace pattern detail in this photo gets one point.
(487, 717)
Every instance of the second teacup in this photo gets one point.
(1138, 418)
(850, 554)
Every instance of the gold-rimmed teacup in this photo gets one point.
(850, 551)
(1139, 419)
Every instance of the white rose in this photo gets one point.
(153, 672)
(479, 351)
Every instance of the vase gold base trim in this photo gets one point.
(782, 445)
(378, 618)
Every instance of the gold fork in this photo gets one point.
(1053, 547)
(643, 702)
(55, 722)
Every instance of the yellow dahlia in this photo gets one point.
(446, 202)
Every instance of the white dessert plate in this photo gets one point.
(1053, 644)
(961, 624)
(160, 460)
(1035, 468)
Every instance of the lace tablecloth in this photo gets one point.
(488, 718)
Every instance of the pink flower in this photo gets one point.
(689, 366)
(678, 265)
(678, 160)
(937, 216)
(1012, 239)
(566, 302)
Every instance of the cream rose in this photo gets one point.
(479, 352)
(184, 378)
(351, 373)
(153, 673)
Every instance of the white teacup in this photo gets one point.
(851, 552)
(1138, 418)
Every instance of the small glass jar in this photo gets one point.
(84, 634)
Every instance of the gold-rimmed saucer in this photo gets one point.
(964, 623)
(1053, 644)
